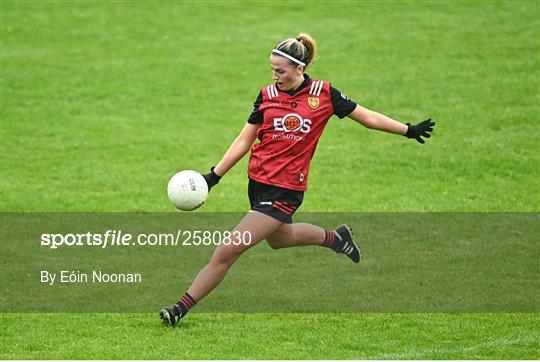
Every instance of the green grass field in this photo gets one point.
(101, 102)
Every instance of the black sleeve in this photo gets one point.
(256, 116)
(343, 106)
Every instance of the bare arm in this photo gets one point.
(374, 120)
(240, 146)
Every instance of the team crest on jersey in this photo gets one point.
(292, 122)
(313, 102)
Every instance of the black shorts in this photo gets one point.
(274, 201)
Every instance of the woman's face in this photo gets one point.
(286, 75)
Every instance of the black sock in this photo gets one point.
(332, 240)
(184, 304)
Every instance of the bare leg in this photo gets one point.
(306, 234)
(299, 234)
(259, 226)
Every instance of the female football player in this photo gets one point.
(288, 119)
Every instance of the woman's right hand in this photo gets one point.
(211, 178)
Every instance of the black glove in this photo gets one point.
(211, 178)
(420, 129)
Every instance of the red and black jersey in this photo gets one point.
(292, 123)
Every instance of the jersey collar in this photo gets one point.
(304, 84)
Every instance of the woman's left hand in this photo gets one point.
(420, 130)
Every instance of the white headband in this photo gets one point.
(275, 50)
(288, 56)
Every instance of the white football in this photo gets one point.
(187, 190)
